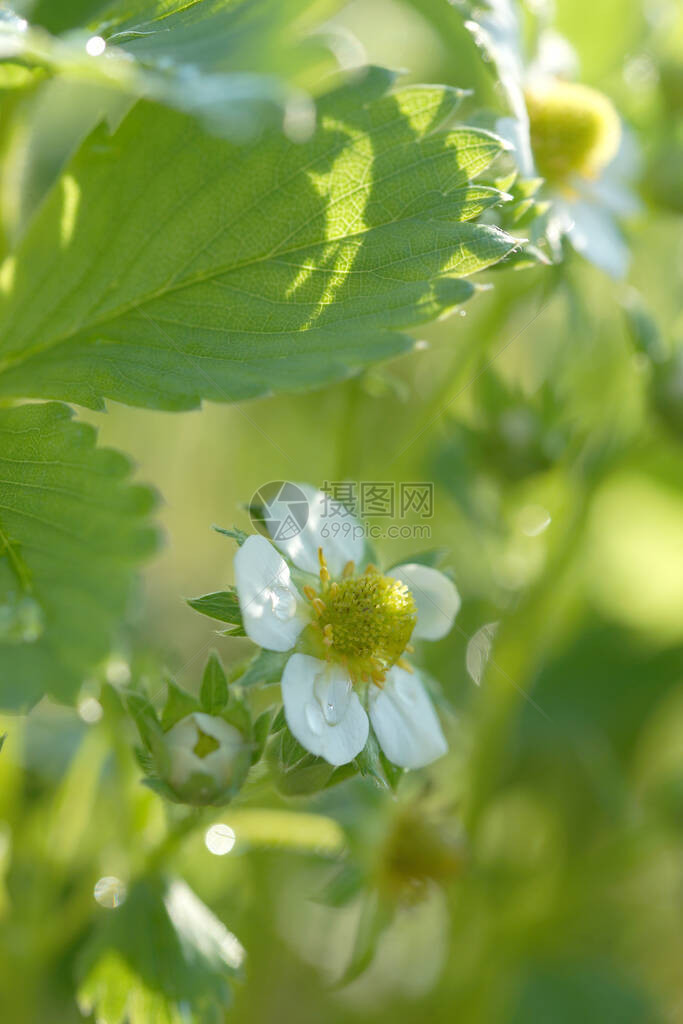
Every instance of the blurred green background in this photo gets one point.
(548, 845)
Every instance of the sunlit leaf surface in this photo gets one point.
(173, 266)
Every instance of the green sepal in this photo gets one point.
(149, 727)
(161, 788)
(295, 771)
(237, 714)
(392, 772)
(369, 763)
(222, 605)
(265, 668)
(260, 734)
(235, 533)
(232, 631)
(179, 705)
(213, 695)
(525, 188)
(279, 722)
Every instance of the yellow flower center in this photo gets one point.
(574, 130)
(364, 621)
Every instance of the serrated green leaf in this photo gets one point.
(214, 691)
(72, 531)
(156, 957)
(173, 266)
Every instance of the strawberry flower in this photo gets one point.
(349, 631)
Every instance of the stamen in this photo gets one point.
(410, 649)
(327, 635)
(324, 571)
(371, 567)
(349, 569)
(319, 605)
(310, 592)
(402, 663)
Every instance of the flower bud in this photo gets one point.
(419, 850)
(208, 758)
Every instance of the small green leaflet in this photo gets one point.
(72, 531)
(223, 605)
(172, 266)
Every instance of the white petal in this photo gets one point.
(515, 130)
(405, 721)
(322, 709)
(272, 610)
(597, 238)
(329, 527)
(436, 597)
(479, 651)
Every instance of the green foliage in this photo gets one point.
(160, 955)
(196, 269)
(239, 66)
(72, 531)
(204, 212)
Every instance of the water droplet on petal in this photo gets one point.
(333, 696)
(314, 718)
(219, 839)
(283, 603)
(21, 620)
(110, 892)
(479, 651)
(534, 519)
